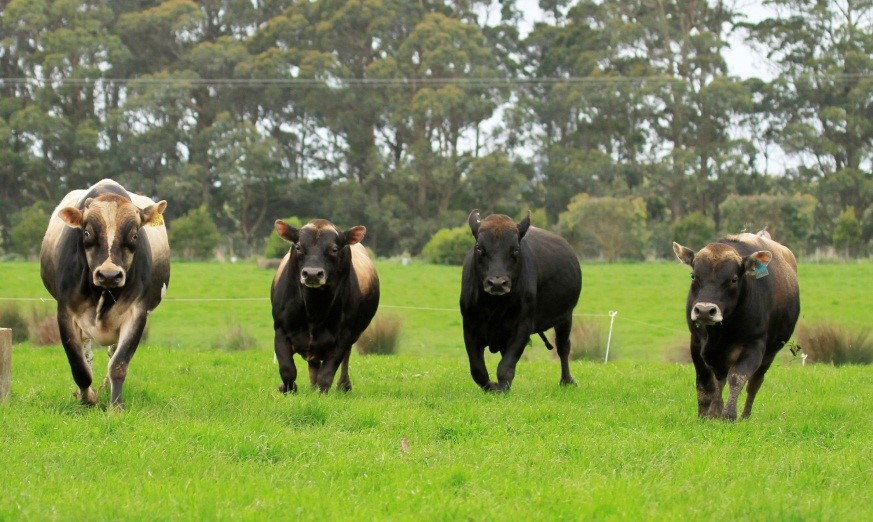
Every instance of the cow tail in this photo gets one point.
(543, 337)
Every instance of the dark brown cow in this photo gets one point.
(324, 295)
(741, 309)
(517, 280)
(106, 260)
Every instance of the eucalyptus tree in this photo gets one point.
(821, 110)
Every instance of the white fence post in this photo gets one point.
(612, 315)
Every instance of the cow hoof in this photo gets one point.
(495, 387)
(87, 397)
(344, 387)
(569, 382)
(284, 389)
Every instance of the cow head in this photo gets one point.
(717, 277)
(497, 253)
(321, 250)
(110, 227)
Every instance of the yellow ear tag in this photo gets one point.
(157, 220)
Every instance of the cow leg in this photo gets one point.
(285, 358)
(476, 356)
(717, 406)
(514, 349)
(71, 338)
(749, 361)
(706, 383)
(345, 383)
(562, 344)
(128, 341)
(331, 363)
(755, 382)
(314, 366)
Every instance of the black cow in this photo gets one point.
(741, 309)
(106, 260)
(324, 295)
(517, 280)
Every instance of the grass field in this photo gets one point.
(204, 434)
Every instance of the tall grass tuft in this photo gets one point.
(587, 342)
(678, 352)
(833, 344)
(12, 318)
(236, 339)
(382, 336)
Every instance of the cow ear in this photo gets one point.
(71, 216)
(287, 232)
(754, 262)
(473, 221)
(523, 226)
(154, 214)
(355, 234)
(686, 255)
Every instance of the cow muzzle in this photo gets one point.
(497, 285)
(313, 277)
(706, 313)
(109, 276)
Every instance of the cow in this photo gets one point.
(741, 309)
(106, 260)
(517, 280)
(324, 295)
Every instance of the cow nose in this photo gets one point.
(708, 313)
(310, 273)
(110, 278)
(310, 276)
(497, 285)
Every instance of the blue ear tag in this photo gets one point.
(760, 270)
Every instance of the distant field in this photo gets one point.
(205, 434)
(205, 299)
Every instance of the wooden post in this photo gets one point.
(5, 362)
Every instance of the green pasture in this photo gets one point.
(205, 435)
(206, 300)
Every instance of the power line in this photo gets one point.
(340, 83)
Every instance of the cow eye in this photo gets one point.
(133, 238)
(480, 250)
(87, 234)
(734, 280)
(692, 277)
(334, 249)
(515, 251)
(298, 249)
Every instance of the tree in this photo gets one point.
(194, 236)
(822, 98)
(847, 233)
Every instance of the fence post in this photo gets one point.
(5, 362)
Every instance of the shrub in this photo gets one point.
(277, 247)
(12, 318)
(28, 229)
(847, 234)
(612, 228)
(449, 246)
(194, 235)
(381, 337)
(695, 230)
(828, 343)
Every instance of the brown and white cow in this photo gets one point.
(324, 295)
(106, 260)
(741, 309)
